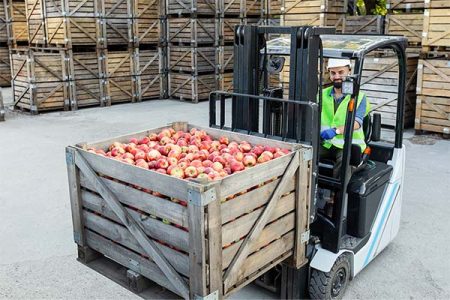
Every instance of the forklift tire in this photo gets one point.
(332, 284)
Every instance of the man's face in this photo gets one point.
(339, 73)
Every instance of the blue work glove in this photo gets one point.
(328, 134)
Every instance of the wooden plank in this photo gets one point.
(154, 228)
(270, 233)
(120, 234)
(135, 229)
(128, 259)
(234, 270)
(251, 200)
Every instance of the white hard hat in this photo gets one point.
(338, 62)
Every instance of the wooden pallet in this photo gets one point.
(149, 87)
(406, 5)
(436, 28)
(187, 31)
(380, 84)
(5, 67)
(313, 6)
(192, 88)
(40, 80)
(409, 25)
(193, 7)
(192, 60)
(315, 19)
(363, 25)
(147, 61)
(211, 246)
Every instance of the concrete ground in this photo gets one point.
(37, 252)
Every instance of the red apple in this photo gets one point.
(201, 170)
(196, 163)
(153, 164)
(208, 170)
(128, 161)
(130, 147)
(162, 163)
(268, 153)
(134, 141)
(190, 156)
(207, 163)
(263, 158)
(177, 172)
(245, 147)
(142, 163)
(220, 160)
(249, 161)
(166, 140)
(258, 150)
(239, 156)
(217, 166)
(144, 140)
(228, 170)
(269, 149)
(215, 145)
(140, 155)
(153, 155)
(127, 155)
(191, 172)
(183, 164)
(153, 137)
(172, 161)
(182, 142)
(236, 166)
(174, 153)
(152, 144)
(224, 140)
(162, 171)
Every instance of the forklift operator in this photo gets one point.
(334, 111)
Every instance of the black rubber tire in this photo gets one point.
(321, 283)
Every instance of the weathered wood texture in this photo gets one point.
(147, 31)
(405, 5)
(315, 19)
(197, 7)
(436, 27)
(433, 100)
(190, 87)
(192, 59)
(437, 4)
(408, 24)
(5, 67)
(40, 80)
(313, 6)
(192, 31)
(225, 58)
(190, 232)
(149, 87)
(226, 82)
(363, 25)
(16, 19)
(380, 84)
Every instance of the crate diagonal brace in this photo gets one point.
(135, 229)
(232, 274)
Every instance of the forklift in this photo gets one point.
(366, 198)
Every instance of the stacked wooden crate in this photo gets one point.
(405, 17)
(433, 100)
(193, 40)
(111, 51)
(366, 24)
(5, 73)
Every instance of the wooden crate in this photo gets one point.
(72, 8)
(313, 6)
(226, 234)
(146, 31)
(88, 92)
(113, 9)
(315, 19)
(149, 87)
(118, 63)
(227, 26)
(192, 59)
(190, 87)
(16, 15)
(437, 4)
(409, 25)
(35, 21)
(405, 4)
(380, 84)
(40, 80)
(433, 77)
(436, 28)
(73, 31)
(196, 7)
(433, 114)
(233, 8)
(226, 82)
(190, 31)
(363, 25)
(148, 9)
(120, 89)
(5, 67)
(118, 32)
(86, 65)
(147, 61)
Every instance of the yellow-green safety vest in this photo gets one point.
(332, 119)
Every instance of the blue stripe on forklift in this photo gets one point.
(380, 225)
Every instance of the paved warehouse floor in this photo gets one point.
(37, 253)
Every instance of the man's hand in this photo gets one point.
(328, 134)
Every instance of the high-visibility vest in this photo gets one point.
(332, 119)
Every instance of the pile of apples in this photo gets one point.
(188, 155)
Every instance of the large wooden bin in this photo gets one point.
(194, 238)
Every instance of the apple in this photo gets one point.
(191, 172)
(162, 171)
(140, 155)
(172, 161)
(115, 145)
(201, 170)
(153, 155)
(268, 153)
(220, 160)
(144, 147)
(245, 147)
(278, 154)
(182, 142)
(215, 145)
(193, 148)
(258, 150)
(162, 163)
(177, 172)
(239, 156)
(193, 130)
(144, 140)
(190, 156)
(130, 146)
(249, 161)
(128, 161)
(174, 154)
(224, 140)
(285, 151)
(196, 163)
(127, 155)
(142, 164)
(152, 164)
(134, 141)
(208, 170)
(269, 149)
(152, 144)
(228, 170)
(236, 166)
(217, 166)
(263, 158)
(207, 163)
(166, 140)
(153, 137)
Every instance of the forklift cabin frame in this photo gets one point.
(306, 47)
